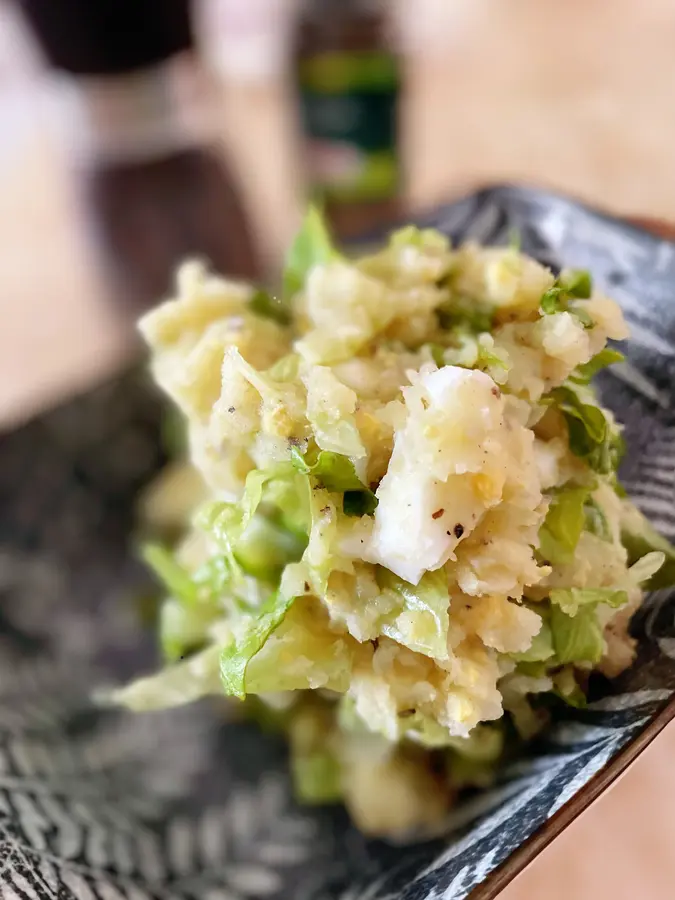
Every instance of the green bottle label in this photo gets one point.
(349, 105)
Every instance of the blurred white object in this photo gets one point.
(19, 101)
(248, 40)
(432, 26)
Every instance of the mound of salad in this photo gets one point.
(399, 536)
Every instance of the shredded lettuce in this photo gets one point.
(426, 731)
(184, 628)
(285, 369)
(465, 313)
(473, 761)
(577, 638)
(259, 548)
(566, 687)
(644, 569)
(571, 600)
(330, 412)
(437, 353)
(595, 520)
(592, 436)
(422, 238)
(175, 685)
(266, 305)
(562, 527)
(235, 658)
(317, 777)
(171, 574)
(315, 767)
(484, 744)
(639, 537)
(336, 473)
(312, 246)
(266, 547)
(572, 284)
(606, 357)
(420, 621)
(541, 648)
(576, 282)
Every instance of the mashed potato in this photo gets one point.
(412, 532)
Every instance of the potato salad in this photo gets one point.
(400, 537)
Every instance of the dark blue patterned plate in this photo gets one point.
(105, 805)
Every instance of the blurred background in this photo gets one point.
(107, 111)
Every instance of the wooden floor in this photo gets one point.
(577, 94)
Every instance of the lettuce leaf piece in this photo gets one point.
(336, 473)
(577, 638)
(287, 504)
(214, 578)
(413, 236)
(175, 685)
(284, 369)
(595, 520)
(572, 284)
(234, 659)
(266, 305)
(175, 579)
(592, 437)
(645, 569)
(540, 650)
(577, 282)
(184, 628)
(312, 246)
(537, 669)
(317, 777)
(465, 313)
(437, 352)
(566, 687)
(562, 527)
(426, 731)
(228, 523)
(265, 548)
(330, 413)
(488, 358)
(571, 600)
(420, 620)
(606, 357)
(315, 766)
(484, 744)
(552, 301)
(359, 503)
(639, 537)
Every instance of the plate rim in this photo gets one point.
(517, 861)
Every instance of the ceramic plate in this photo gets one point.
(105, 805)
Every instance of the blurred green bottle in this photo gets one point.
(348, 78)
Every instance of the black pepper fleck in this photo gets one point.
(306, 585)
(459, 530)
(231, 409)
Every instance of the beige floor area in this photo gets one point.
(577, 94)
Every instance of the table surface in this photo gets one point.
(560, 94)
